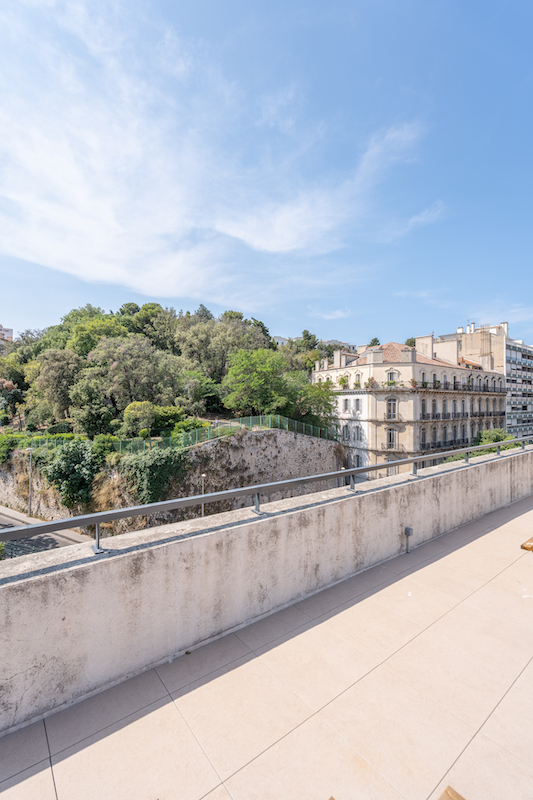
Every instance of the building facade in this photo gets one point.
(6, 334)
(394, 402)
(493, 348)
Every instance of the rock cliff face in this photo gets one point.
(246, 458)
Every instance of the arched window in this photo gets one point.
(487, 405)
(434, 435)
(423, 408)
(463, 433)
(472, 407)
(434, 408)
(494, 404)
(444, 435)
(357, 380)
(320, 380)
(454, 407)
(455, 434)
(424, 378)
(423, 439)
(391, 438)
(444, 408)
(463, 408)
(455, 382)
(479, 384)
(391, 408)
(479, 405)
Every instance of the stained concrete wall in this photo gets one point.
(74, 623)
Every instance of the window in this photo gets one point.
(358, 461)
(479, 405)
(463, 408)
(346, 404)
(494, 405)
(455, 434)
(434, 407)
(357, 433)
(454, 407)
(434, 379)
(357, 380)
(391, 438)
(463, 433)
(345, 432)
(423, 439)
(471, 406)
(423, 409)
(391, 376)
(444, 407)
(391, 408)
(424, 378)
(434, 435)
(487, 405)
(391, 471)
(357, 404)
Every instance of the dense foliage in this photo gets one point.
(149, 474)
(72, 470)
(149, 368)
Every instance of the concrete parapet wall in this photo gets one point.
(74, 623)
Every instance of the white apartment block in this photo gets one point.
(394, 401)
(6, 334)
(493, 348)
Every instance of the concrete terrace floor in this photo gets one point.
(408, 678)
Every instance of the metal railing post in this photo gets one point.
(523, 445)
(498, 451)
(96, 546)
(352, 483)
(415, 468)
(466, 458)
(257, 509)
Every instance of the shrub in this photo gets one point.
(138, 416)
(149, 474)
(165, 417)
(189, 425)
(7, 445)
(31, 426)
(4, 419)
(72, 470)
(143, 434)
(103, 444)
(59, 427)
(2, 551)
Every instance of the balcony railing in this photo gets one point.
(446, 415)
(435, 416)
(254, 490)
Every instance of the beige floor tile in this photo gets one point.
(465, 684)
(406, 737)
(485, 565)
(417, 556)
(272, 627)
(372, 628)
(511, 724)
(202, 661)
(90, 716)
(330, 599)
(470, 630)
(486, 771)
(239, 712)
(452, 581)
(151, 754)
(512, 605)
(415, 601)
(316, 664)
(35, 783)
(220, 793)
(22, 749)
(311, 763)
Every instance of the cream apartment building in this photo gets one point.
(396, 401)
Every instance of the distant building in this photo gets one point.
(395, 401)
(6, 334)
(492, 347)
(281, 341)
(350, 348)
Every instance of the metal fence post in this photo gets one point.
(523, 445)
(96, 547)
(466, 458)
(257, 509)
(415, 468)
(498, 451)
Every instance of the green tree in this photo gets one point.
(86, 335)
(411, 342)
(91, 410)
(57, 374)
(374, 342)
(138, 416)
(72, 471)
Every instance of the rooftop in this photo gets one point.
(408, 678)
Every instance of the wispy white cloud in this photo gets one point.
(121, 159)
(340, 313)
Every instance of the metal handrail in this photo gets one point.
(256, 490)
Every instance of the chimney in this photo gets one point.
(374, 357)
(460, 330)
(408, 354)
(343, 360)
(317, 366)
(337, 359)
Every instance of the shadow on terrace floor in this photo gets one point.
(220, 710)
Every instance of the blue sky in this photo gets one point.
(355, 168)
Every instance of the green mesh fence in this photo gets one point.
(216, 431)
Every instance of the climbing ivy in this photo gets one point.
(149, 474)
